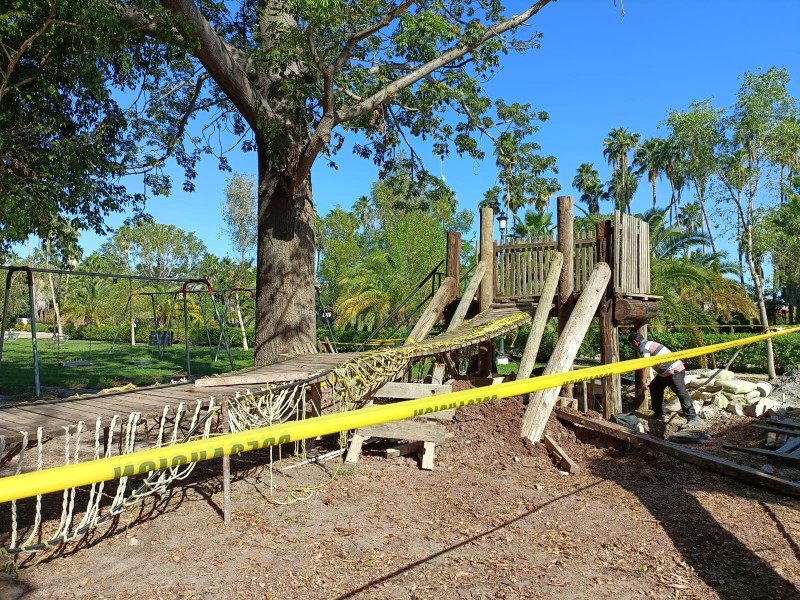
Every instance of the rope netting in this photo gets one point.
(34, 525)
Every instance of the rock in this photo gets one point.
(769, 469)
(709, 412)
(735, 409)
(721, 400)
(753, 395)
(757, 409)
(718, 374)
(738, 386)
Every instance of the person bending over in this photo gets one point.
(668, 375)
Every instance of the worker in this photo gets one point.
(668, 375)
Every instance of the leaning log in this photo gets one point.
(542, 402)
(444, 295)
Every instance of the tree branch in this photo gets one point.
(369, 104)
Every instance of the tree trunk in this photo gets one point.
(758, 284)
(285, 264)
(241, 323)
(706, 220)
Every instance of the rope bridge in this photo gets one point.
(347, 385)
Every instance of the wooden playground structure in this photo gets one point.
(604, 276)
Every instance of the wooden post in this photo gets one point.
(469, 294)
(486, 294)
(444, 295)
(453, 263)
(610, 387)
(226, 469)
(538, 411)
(642, 376)
(540, 317)
(566, 282)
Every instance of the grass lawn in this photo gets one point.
(106, 369)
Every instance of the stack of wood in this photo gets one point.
(782, 443)
(414, 436)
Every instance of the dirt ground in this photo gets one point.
(496, 518)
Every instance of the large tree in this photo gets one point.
(746, 158)
(300, 75)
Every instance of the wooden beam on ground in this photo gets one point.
(469, 294)
(567, 464)
(540, 317)
(541, 404)
(410, 391)
(404, 449)
(433, 312)
(695, 457)
(412, 431)
(781, 457)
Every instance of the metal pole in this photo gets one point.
(29, 272)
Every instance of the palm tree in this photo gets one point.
(621, 188)
(694, 284)
(649, 158)
(534, 224)
(365, 301)
(616, 146)
(674, 160)
(587, 181)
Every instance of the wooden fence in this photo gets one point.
(522, 266)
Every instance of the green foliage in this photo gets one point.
(63, 138)
(751, 359)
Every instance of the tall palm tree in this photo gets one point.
(649, 158)
(587, 181)
(616, 146)
(674, 160)
(694, 284)
(621, 188)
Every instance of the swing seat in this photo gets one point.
(74, 363)
(140, 362)
(58, 339)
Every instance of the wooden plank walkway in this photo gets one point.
(53, 415)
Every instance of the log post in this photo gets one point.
(486, 294)
(642, 376)
(452, 266)
(433, 312)
(469, 294)
(539, 408)
(566, 282)
(540, 317)
(610, 387)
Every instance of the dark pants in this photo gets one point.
(677, 383)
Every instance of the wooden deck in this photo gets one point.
(53, 415)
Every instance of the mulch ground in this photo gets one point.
(496, 518)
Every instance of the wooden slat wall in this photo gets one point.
(631, 254)
(522, 266)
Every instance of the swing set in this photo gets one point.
(163, 338)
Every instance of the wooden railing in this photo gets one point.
(522, 266)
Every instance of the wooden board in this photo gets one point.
(695, 457)
(410, 391)
(406, 430)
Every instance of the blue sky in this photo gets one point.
(596, 70)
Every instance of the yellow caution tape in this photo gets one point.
(56, 479)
